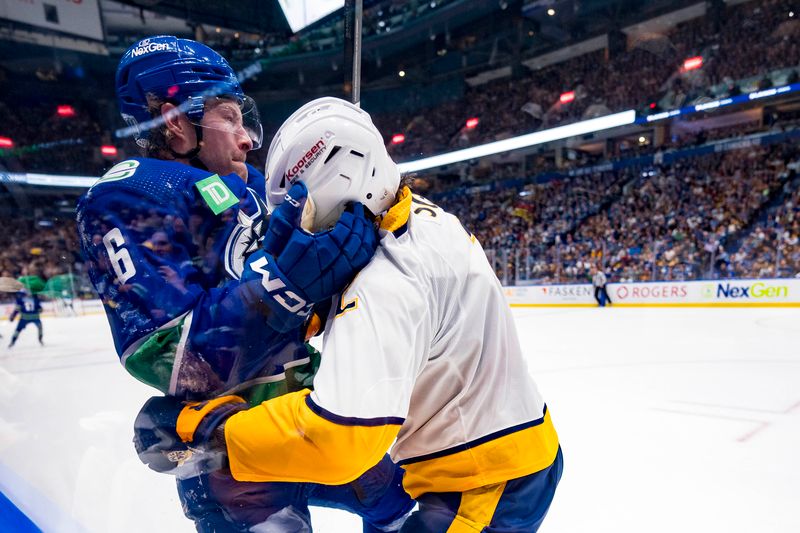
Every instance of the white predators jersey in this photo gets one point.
(422, 351)
(427, 336)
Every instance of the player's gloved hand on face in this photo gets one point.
(183, 438)
(320, 264)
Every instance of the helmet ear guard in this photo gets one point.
(335, 149)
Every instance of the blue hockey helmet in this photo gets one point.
(181, 71)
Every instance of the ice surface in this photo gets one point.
(671, 420)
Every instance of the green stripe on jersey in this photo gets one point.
(302, 377)
(294, 379)
(263, 391)
(153, 362)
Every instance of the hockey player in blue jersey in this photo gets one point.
(209, 313)
(29, 310)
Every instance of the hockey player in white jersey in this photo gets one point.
(421, 354)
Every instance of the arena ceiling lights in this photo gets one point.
(715, 104)
(524, 141)
(47, 180)
(302, 13)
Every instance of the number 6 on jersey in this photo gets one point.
(120, 258)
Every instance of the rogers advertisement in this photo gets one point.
(649, 292)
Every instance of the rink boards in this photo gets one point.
(710, 293)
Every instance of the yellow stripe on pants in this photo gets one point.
(477, 508)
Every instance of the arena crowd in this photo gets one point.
(733, 214)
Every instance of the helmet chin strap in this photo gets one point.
(192, 154)
(196, 163)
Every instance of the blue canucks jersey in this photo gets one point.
(166, 245)
(27, 306)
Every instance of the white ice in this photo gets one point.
(671, 420)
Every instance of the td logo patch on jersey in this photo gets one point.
(216, 194)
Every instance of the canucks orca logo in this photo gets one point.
(246, 236)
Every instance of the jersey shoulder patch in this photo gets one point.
(216, 194)
(159, 182)
(120, 171)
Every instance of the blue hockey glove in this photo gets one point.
(319, 264)
(183, 438)
(287, 306)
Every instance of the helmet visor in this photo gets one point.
(236, 115)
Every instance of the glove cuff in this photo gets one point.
(209, 414)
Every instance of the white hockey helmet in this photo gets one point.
(336, 150)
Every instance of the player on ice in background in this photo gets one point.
(29, 309)
(68, 301)
(210, 314)
(420, 350)
(599, 281)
